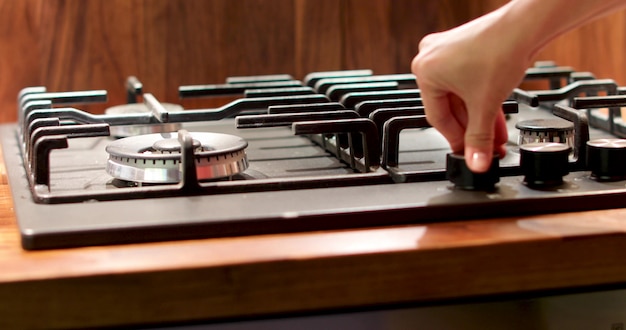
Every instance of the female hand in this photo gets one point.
(464, 75)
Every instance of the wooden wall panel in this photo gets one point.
(208, 41)
(19, 54)
(168, 43)
(319, 40)
(368, 43)
(96, 44)
(90, 44)
(165, 43)
(599, 47)
(384, 34)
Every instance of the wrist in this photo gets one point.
(534, 23)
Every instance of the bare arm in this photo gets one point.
(467, 72)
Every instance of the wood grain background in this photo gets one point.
(96, 44)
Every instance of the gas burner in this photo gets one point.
(156, 158)
(134, 130)
(546, 130)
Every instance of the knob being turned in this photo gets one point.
(462, 177)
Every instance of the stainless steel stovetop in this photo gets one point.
(361, 155)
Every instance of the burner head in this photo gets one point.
(156, 158)
(546, 130)
(134, 130)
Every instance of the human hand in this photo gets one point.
(464, 75)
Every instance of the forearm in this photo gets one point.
(465, 73)
(534, 23)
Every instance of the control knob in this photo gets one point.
(606, 159)
(462, 177)
(544, 164)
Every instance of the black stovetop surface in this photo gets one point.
(283, 163)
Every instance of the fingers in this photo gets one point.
(502, 134)
(485, 135)
(479, 136)
(440, 115)
(465, 112)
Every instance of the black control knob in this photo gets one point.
(606, 159)
(459, 174)
(544, 164)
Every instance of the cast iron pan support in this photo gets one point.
(581, 133)
(391, 136)
(189, 177)
(41, 159)
(588, 87)
(134, 87)
(364, 126)
(396, 120)
(613, 102)
(47, 138)
(391, 149)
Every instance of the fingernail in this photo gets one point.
(479, 162)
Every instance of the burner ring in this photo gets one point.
(546, 130)
(156, 158)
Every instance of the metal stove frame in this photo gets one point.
(377, 194)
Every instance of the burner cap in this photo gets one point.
(156, 158)
(134, 130)
(171, 146)
(546, 130)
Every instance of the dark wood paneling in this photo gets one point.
(91, 44)
(367, 35)
(318, 39)
(19, 55)
(384, 35)
(165, 43)
(96, 44)
(599, 47)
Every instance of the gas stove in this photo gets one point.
(335, 150)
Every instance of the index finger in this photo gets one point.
(440, 114)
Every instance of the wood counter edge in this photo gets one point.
(314, 284)
(228, 278)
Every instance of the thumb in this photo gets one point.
(479, 138)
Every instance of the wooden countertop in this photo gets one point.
(275, 274)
